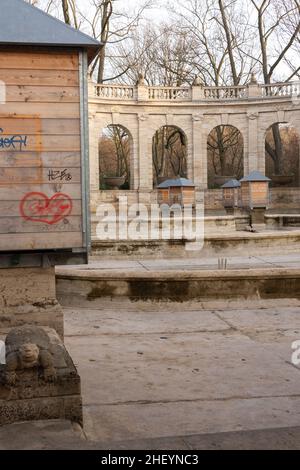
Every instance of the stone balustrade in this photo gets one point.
(159, 93)
(226, 93)
(195, 93)
(275, 90)
(114, 92)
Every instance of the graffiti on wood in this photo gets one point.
(59, 175)
(38, 207)
(16, 142)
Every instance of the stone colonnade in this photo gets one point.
(142, 110)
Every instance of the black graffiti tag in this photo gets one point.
(61, 175)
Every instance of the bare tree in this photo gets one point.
(163, 54)
(271, 16)
(106, 20)
(114, 152)
(225, 144)
(65, 7)
(169, 153)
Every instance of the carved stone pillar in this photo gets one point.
(144, 159)
(251, 161)
(94, 153)
(199, 161)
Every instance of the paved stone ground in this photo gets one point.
(178, 376)
(62, 435)
(152, 371)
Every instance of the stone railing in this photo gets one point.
(281, 90)
(226, 93)
(160, 93)
(252, 91)
(115, 92)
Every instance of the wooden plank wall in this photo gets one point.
(40, 152)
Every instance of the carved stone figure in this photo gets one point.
(253, 79)
(198, 81)
(140, 80)
(28, 347)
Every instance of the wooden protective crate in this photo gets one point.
(41, 201)
(176, 191)
(255, 190)
(44, 186)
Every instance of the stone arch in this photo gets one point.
(282, 159)
(169, 153)
(225, 154)
(117, 157)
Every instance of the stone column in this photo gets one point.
(144, 160)
(251, 163)
(94, 160)
(199, 173)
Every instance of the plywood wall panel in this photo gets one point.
(43, 94)
(39, 175)
(12, 208)
(39, 61)
(15, 192)
(43, 78)
(34, 126)
(49, 224)
(39, 241)
(44, 159)
(42, 110)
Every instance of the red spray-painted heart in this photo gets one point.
(37, 207)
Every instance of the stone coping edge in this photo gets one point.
(176, 275)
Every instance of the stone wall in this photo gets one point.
(288, 198)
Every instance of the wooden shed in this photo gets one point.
(176, 191)
(44, 182)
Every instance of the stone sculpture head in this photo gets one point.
(29, 354)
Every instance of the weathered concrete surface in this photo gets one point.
(28, 295)
(31, 397)
(179, 370)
